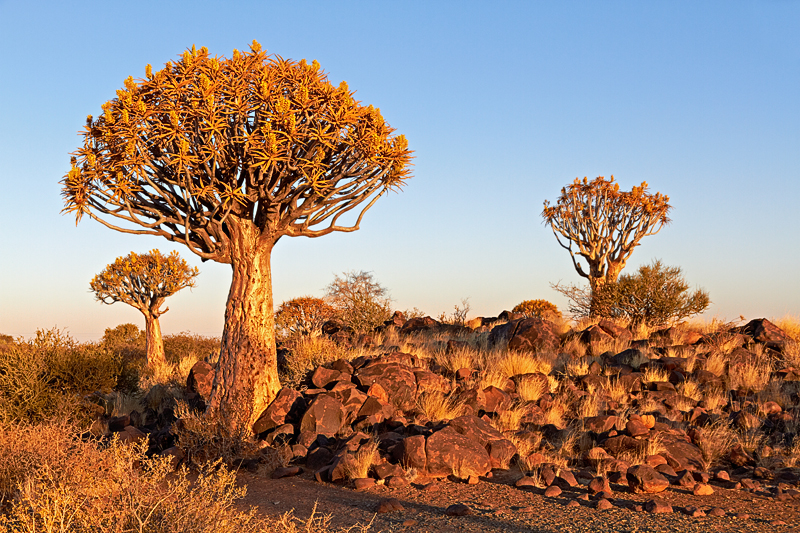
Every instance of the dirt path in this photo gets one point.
(500, 507)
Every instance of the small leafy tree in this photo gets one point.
(226, 156)
(655, 295)
(303, 316)
(537, 308)
(145, 281)
(360, 301)
(603, 225)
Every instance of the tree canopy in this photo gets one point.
(256, 137)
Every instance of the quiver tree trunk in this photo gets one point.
(154, 343)
(247, 377)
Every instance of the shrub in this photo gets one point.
(459, 314)
(76, 486)
(656, 295)
(186, 345)
(537, 308)
(47, 376)
(302, 316)
(360, 301)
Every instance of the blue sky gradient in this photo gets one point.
(504, 104)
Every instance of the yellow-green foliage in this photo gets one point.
(47, 376)
(537, 308)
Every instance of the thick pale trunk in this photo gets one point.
(246, 380)
(154, 343)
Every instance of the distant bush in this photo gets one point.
(302, 316)
(47, 376)
(459, 315)
(360, 302)
(537, 308)
(186, 345)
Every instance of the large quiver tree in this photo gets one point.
(145, 281)
(227, 156)
(604, 225)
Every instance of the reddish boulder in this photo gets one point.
(396, 379)
(644, 478)
(528, 334)
(324, 416)
(288, 404)
(416, 324)
(449, 452)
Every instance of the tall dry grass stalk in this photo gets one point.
(518, 363)
(750, 375)
(362, 460)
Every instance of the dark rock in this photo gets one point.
(201, 379)
(325, 416)
(286, 471)
(657, 506)
(553, 491)
(458, 509)
(417, 324)
(528, 334)
(396, 379)
(388, 505)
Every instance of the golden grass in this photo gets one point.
(510, 418)
(437, 406)
(617, 391)
(691, 389)
(716, 440)
(577, 368)
(655, 374)
(750, 375)
(715, 363)
(360, 462)
(555, 413)
(715, 398)
(205, 437)
(575, 348)
(517, 363)
(530, 390)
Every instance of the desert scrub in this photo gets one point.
(205, 437)
(78, 487)
(47, 377)
(307, 353)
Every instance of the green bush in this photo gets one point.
(655, 295)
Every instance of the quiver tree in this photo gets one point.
(227, 156)
(145, 281)
(596, 221)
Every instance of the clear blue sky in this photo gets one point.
(503, 102)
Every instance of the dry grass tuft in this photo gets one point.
(517, 363)
(790, 325)
(531, 390)
(716, 440)
(207, 438)
(437, 406)
(750, 375)
(361, 461)
(655, 374)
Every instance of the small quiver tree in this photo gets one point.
(145, 281)
(602, 225)
(227, 156)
